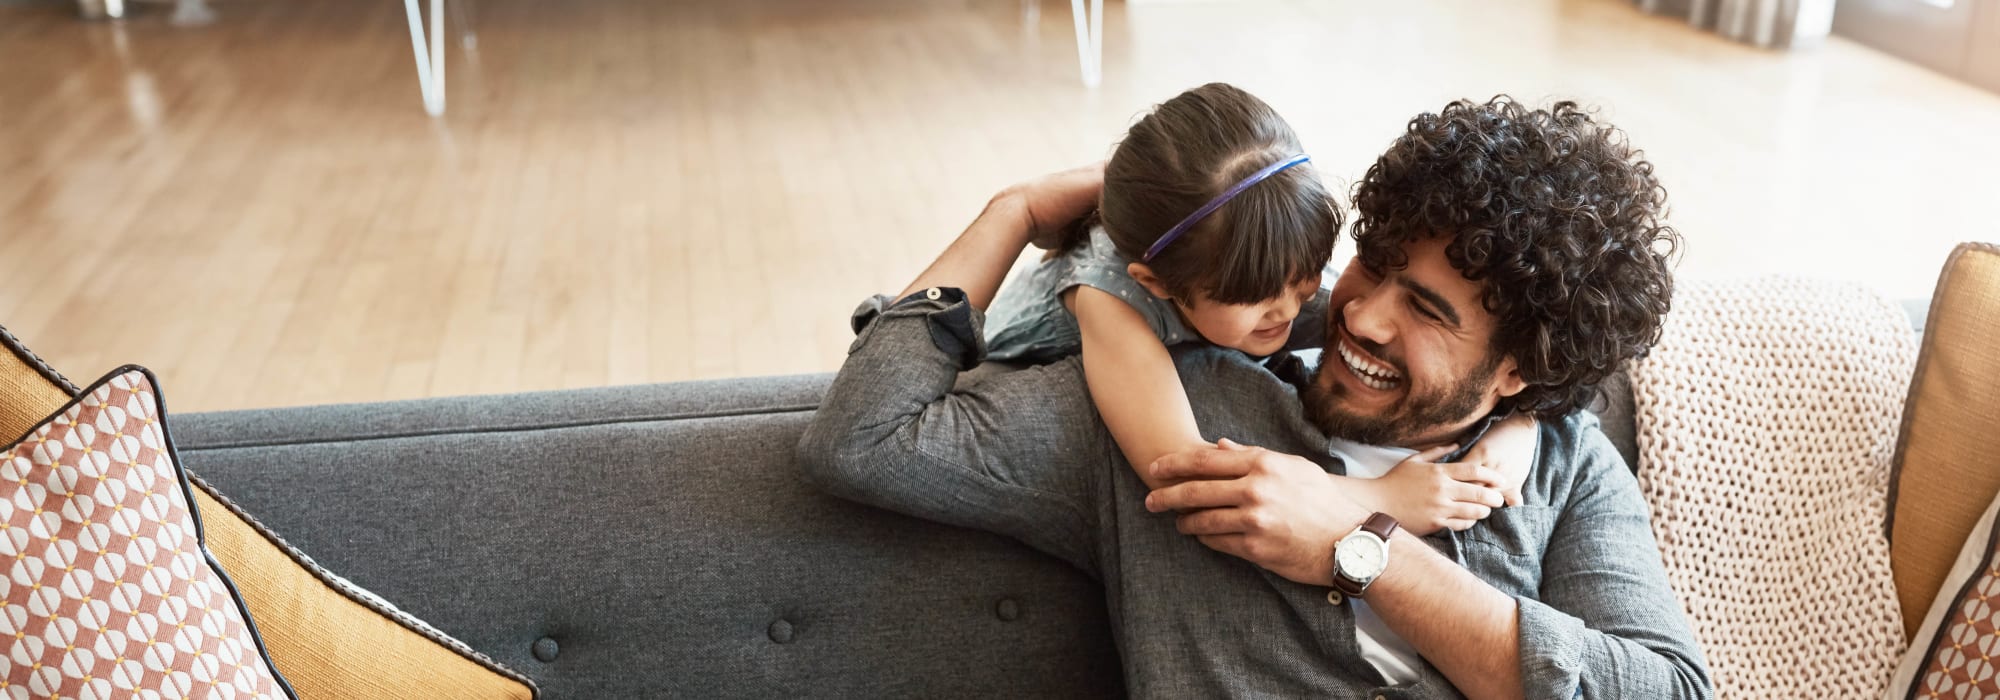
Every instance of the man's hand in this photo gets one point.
(1426, 496)
(1054, 201)
(1274, 510)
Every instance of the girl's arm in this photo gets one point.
(1035, 211)
(1138, 390)
(1509, 448)
(1133, 380)
(1426, 495)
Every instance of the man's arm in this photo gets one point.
(1607, 623)
(1000, 455)
(1607, 626)
(1465, 628)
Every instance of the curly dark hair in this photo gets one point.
(1559, 217)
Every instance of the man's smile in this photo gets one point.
(1371, 371)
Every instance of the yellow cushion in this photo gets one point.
(1945, 473)
(329, 641)
(27, 391)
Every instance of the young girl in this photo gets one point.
(1214, 228)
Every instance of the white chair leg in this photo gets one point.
(437, 53)
(1089, 39)
(1096, 41)
(101, 9)
(429, 82)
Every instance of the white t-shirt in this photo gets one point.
(1394, 658)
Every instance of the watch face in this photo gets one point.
(1361, 556)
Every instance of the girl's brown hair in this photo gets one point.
(1184, 153)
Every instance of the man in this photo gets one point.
(1509, 259)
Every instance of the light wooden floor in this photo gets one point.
(655, 191)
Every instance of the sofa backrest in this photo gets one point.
(655, 541)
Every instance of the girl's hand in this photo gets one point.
(1426, 496)
(1509, 448)
(1055, 201)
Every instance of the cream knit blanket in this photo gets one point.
(1767, 419)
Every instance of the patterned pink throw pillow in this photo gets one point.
(1956, 652)
(109, 591)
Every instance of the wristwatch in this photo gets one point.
(1361, 556)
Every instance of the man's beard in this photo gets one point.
(1409, 420)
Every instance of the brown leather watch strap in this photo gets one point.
(1381, 524)
(1347, 586)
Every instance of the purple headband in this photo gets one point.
(1217, 203)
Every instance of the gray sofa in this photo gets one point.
(658, 541)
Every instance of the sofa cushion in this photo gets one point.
(111, 590)
(1950, 656)
(1944, 473)
(328, 637)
